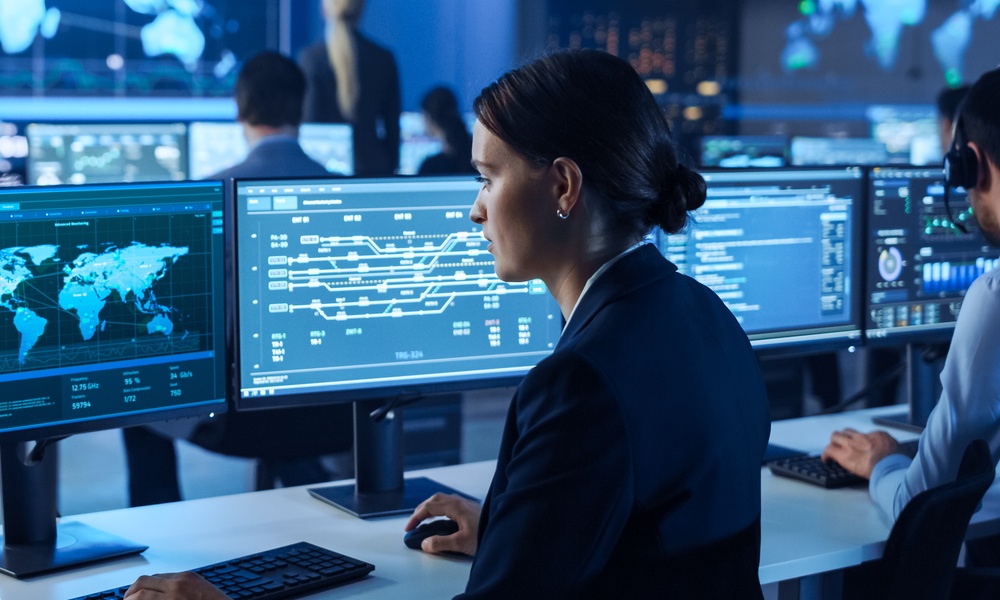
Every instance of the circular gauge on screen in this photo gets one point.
(890, 264)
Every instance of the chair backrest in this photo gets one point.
(922, 550)
(285, 433)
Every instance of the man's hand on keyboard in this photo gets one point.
(171, 586)
(859, 452)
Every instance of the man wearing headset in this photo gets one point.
(969, 406)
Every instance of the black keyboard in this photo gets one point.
(286, 572)
(812, 469)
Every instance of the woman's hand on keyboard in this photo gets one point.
(174, 586)
(859, 452)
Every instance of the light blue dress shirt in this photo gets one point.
(969, 406)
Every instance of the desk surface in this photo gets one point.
(805, 530)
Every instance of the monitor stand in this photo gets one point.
(33, 543)
(380, 489)
(921, 385)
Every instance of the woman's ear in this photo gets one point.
(569, 184)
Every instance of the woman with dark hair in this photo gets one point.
(630, 460)
(443, 121)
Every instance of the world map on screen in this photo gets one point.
(87, 286)
(886, 20)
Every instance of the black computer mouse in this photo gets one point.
(415, 536)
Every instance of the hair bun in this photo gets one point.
(683, 190)
(690, 187)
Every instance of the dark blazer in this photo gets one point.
(378, 104)
(630, 460)
(275, 156)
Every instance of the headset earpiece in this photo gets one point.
(961, 165)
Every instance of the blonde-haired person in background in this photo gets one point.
(351, 79)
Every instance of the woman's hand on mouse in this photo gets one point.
(460, 510)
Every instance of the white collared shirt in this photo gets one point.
(600, 272)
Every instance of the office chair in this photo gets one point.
(921, 553)
(281, 435)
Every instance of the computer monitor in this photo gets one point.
(112, 314)
(781, 247)
(106, 152)
(909, 132)
(214, 146)
(377, 290)
(13, 153)
(919, 264)
(819, 151)
(742, 151)
(329, 144)
(415, 144)
(218, 145)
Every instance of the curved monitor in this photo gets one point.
(919, 264)
(781, 247)
(365, 288)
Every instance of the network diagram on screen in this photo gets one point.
(366, 285)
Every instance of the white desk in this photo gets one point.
(185, 535)
(806, 530)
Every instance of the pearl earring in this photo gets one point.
(561, 214)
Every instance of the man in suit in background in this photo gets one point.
(269, 93)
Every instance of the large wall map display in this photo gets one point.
(887, 19)
(130, 47)
(848, 52)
